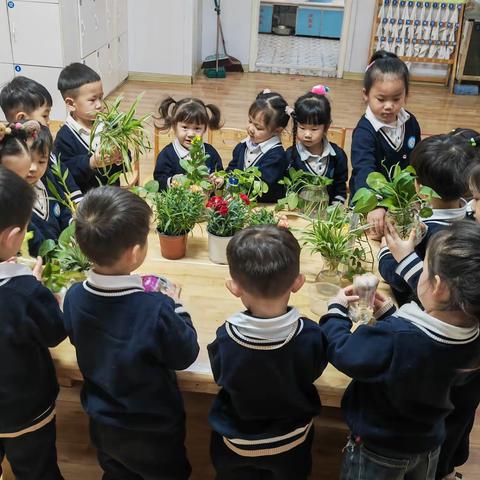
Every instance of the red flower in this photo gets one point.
(223, 210)
(214, 202)
(245, 199)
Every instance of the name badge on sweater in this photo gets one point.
(56, 210)
(411, 142)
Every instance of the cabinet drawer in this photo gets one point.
(331, 24)
(309, 22)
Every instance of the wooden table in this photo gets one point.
(209, 302)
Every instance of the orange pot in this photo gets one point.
(173, 247)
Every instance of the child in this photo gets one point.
(14, 151)
(387, 133)
(267, 117)
(311, 150)
(128, 343)
(266, 360)
(443, 163)
(188, 118)
(82, 90)
(31, 324)
(404, 366)
(25, 99)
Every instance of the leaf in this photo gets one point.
(152, 186)
(425, 212)
(47, 247)
(292, 201)
(364, 201)
(376, 180)
(66, 236)
(428, 192)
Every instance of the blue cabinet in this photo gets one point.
(266, 17)
(316, 22)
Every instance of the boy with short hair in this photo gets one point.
(25, 99)
(128, 343)
(31, 324)
(81, 88)
(266, 360)
(443, 163)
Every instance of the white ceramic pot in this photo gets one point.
(217, 248)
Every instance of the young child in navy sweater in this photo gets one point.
(31, 324)
(188, 118)
(25, 99)
(405, 367)
(82, 90)
(442, 162)
(128, 343)
(266, 360)
(311, 151)
(387, 133)
(267, 117)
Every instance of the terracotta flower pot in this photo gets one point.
(217, 248)
(173, 247)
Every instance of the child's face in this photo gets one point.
(87, 103)
(19, 164)
(41, 115)
(311, 135)
(476, 204)
(38, 166)
(386, 98)
(186, 132)
(258, 131)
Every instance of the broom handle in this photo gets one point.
(216, 54)
(219, 26)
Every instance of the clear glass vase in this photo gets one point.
(314, 201)
(404, 222)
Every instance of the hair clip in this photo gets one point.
(289, 110)
(266, 90)
(473, 142)
(4, 131)
(320, 89)
(31, 127)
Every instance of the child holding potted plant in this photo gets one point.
(189, 118)
(311, 151)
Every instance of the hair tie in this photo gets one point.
(320, 89)
(4, 131)
(31, 127)
(289, 110)
(473, 142)
(369, 65)
(266, 90)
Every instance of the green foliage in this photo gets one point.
(338, 238)
(119, 133)
(248, 182)
(298, 182)
(195, 166)
(178, 209)
(65, 262)
(227, 215)
(262, 216)
(66, 199)
(397, 195)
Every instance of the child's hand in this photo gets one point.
(97, 161)
(173, 292)
(376, 218)
(345, 296)
(37, 269)
(283, 222)
(217, 181)
(399, 248)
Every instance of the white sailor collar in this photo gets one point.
(10, 270)
(377, 124)
(277, 328)
(74, 125)
(305, 155)
(440, 331)
(180, 150)
(449, 214)
(263, 147)
(114, 282)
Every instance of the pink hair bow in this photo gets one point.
(320, 89)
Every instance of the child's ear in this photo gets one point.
(70, 103)
(19, 116)
(298, 283)
(365, 96)
(9, 237)
(234, 288)
(136, 253)
(441, 292)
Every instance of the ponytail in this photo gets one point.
(215, 118)
(164, 114)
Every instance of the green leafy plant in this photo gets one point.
(262, 216)
(300, 182)
(66, 198)
(339, 239)
(120, 133)
(65, 263)
(248, 181)
(178, 208)
(196, 170)
(397, 194)
(226, 215)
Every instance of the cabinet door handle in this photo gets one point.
(13, 34)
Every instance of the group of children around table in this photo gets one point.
(415, 374)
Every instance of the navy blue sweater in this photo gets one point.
(337, 170)
(168, 164)
(403, 370)
(273, 166)
(372, 152)
(75, 154)
(129, 344)
(51, 223)
(266, 384)
(31, 323)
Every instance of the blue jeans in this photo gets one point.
(361, 463)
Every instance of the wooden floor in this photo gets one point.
(437, 112)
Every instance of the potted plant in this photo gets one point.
(398, 195)
(226, 215)
(248, 181)
(120, 133)
(305, 191)
(196, 170)
(340, 241)
(177, 210)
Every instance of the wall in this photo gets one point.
(160, 38)
(236, 22)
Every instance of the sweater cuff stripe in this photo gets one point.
(407, 263)
(338, 309)
(383, 252)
